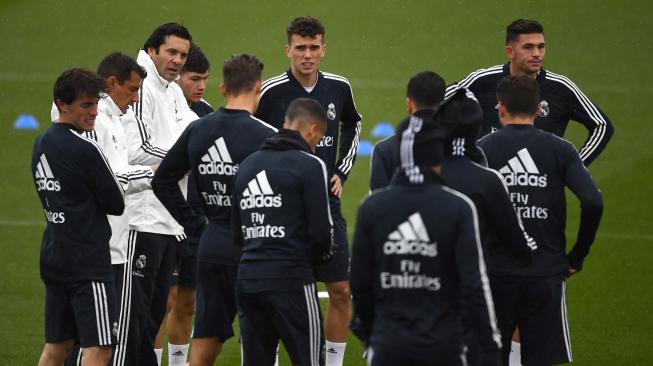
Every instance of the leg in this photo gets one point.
(560, 347)
(54, 354)
(335, 274)
(172, 297)
(180, 317)
(216, 310)
(299, 322)
(338, 312)
(141, 273)
(97, 356)
(259, 337)
(506, 296)
(537, 318)
(205, 351)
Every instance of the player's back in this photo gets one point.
(283, 212)
(217, 143)
(414, 231)
(501, 233)
(77, 190)
(534, 166)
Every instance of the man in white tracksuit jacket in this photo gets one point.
(163, 109)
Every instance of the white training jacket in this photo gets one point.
(110, 133)
(161, 114)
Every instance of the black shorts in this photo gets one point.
(292, 316)
(215, 308)
(383, 357)
(185, 271)
(84, 311)
(535, 305)
(337, 269)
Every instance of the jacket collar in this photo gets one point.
(292, 79)
(146, 62)
(107, 106)
(286, 140)
(541, 76)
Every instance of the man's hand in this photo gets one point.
(154, 168)
(336, 187)
(570, 272)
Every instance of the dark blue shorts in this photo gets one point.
(290, 316)
(215, 308)
(337, 269)
(84, 311)
(185, 271)
(535, 306)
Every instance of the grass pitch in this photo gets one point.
(378, 45)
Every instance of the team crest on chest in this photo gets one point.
(331, 111)
(544, 108)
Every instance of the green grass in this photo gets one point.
(378, 45)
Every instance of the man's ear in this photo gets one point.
(288, 51)
(112, 82)
(509, 50)
(258, 86)
(151, 51)
(223, 90)
(62, 106)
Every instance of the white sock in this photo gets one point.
(335, 353)
(276, 358)
(515, 354)
(177, 354)
(159, 354)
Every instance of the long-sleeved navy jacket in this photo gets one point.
(77, 189)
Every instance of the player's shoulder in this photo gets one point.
(262, 125)
(310, 161)
(274, 83)
(481, 74)
(337, 80)
(561, 81)
(454, 200)
(385, 146)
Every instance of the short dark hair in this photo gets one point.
(240, 73)
(121, 66)
(158, 36)
(519, 94)
(522, 26)
(77, 82)
(196, 61)
(307, 109)
(305, 27)
(426, 89)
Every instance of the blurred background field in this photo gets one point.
(605, 47)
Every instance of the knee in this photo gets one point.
(58, 351)
(340, 294)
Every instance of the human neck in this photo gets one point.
(306, 81)
(514, 71)
(244, 101)
(516, 120)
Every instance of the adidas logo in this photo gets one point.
(259, 194)
(45, 180)
(217, 160)
(410, 238)
(331, 350)
(521, 171)
(179, 354)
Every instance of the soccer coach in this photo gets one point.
(560, 99)
(537, 166)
